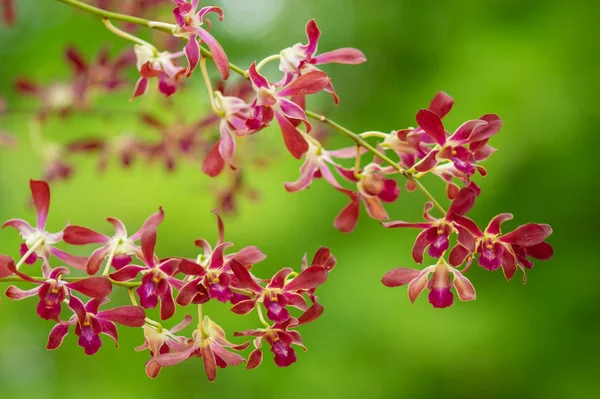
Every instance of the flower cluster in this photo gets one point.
(130, 261)
(239, 112)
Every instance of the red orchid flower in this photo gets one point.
(280, 338)
(54, 290)
(210, 343)
(436, 232)
(507, 250)
(38, 242)
(157, 281)
(453, 148)
(121, 246)
(412, 144)
(152, 64)
(160, 341)
(272, 102)
(210, 276)
(439, 285)
(300, 59)
(90, 323)
(234, 113)
(190, 24)
(280, 292)
(373, 188)
(316, 165)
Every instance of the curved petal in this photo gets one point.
(192, 53)
(432, 124)
(347, 55)
(348, 217)
(40, 191)
(22, 226)
(94, 287)
(541, 251)
(77, 235)
(418, 284)
(217, 52)
(528, 234)
(463, 287)
(95, 260)
(310, 278)
(57, 335)
(310, 83)
(399, 276)
(293, 139)
(16, 294)
(131, 316)
(149, 224)
(441, 104)
(494, 227)
(213, 163)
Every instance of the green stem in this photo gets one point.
(117, 17)
(206, 53)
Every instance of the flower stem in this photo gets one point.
(264, 62)
(261, 316)
(110, 258)
(126, 35)
(29, 252)
(206, 53)
(209, 88)
(118, 17)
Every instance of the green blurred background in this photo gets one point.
(534, 63)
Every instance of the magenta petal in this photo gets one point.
(312, 34)
(148, 246)
(191, 268)
(441, 298)
(213, 163)
(167, 305)
(374, 208)
(16, 294)
(217, 52)
(94, 287)
(458, 255)
(249, 255)
(192, 53)
(244, 276)
(22, 226)
(295, 143)
(348, 217)
(463, 202)
(428, 162)
(258, 80)
(464, 131)
(310, 278)
(32, 258)
(171, 359)
(77, 235)
(141, 87)
(7, 266)
(423, 240)
(226, 143)
(310, 83)
(96, 259)
(132, 316)
(307, 173)
(40, 192)
(441, 104)
(150, 224)
(432, 124)
(390, 191)
(541, 251)
(484, 132)
(243, 307)
(463, 287)
(399, 276)
(311, 314)
(127, 273)
(528, 234)
(57, 335)
(350, 56)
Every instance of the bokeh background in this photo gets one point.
(535, 63)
